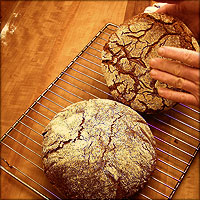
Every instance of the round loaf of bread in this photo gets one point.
(98, 149)
(126, 55)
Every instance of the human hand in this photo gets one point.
(187, 11)
(182, 72)
(154, 7)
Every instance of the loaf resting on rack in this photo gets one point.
(126, 55)
(98, 149)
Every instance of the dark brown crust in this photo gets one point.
(98, 149)
(125, 59)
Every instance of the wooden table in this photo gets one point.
(39, 38)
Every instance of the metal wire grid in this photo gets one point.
(176, 131)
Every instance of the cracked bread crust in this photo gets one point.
(98, 149)
(126, 55)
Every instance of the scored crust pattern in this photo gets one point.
(126, 55)
(98, 149)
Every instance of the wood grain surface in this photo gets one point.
(38, 40)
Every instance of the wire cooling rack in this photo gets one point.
(176, 131)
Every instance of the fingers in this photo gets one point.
(168, 1)
(188, 57)
(181, 72)
(180, 97)
(154, 7)
(176, 82)
(168, 7)
(150, 9)
(187, 11)
(175, 68)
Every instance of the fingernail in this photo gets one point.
(161, 51)
(153, 73)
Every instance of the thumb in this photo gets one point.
(170, 9)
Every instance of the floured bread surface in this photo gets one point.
(126, 55)
(98, 149)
